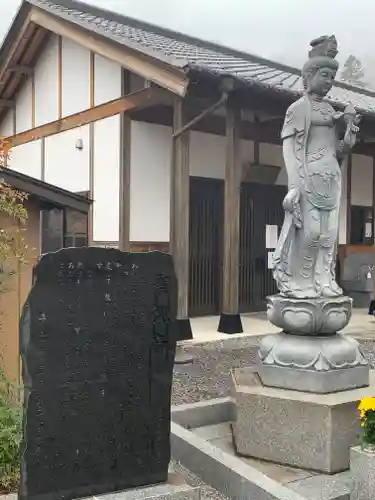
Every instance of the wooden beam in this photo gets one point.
(7, 103)
(230, 321)
(125, 145)
(22, 34)
(153, 69)
(179, 215)
(23, 70)
(59, 78)
(146, 97)
(265, 133)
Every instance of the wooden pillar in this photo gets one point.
(372, 304)
(125, 144)
(179, 216)
(230, 320)
(90, 219)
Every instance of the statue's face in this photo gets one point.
(320, 82)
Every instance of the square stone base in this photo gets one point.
(314, 381)
(304, 430)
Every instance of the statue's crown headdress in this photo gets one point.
(324, 46)
(322, 53)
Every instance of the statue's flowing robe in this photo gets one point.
(297, 125)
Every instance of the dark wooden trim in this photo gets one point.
(23, 69)
(43, 159)
(265, 132)
(231, 211)
(124, 192)
(179, 207)
(124, 104)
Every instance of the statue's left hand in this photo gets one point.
(291, 204)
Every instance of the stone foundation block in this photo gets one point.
(304, 430)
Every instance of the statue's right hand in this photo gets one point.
(291, 204)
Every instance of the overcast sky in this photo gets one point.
(277, 29)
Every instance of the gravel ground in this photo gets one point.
(209, 375)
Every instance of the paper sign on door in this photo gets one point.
(271, 236)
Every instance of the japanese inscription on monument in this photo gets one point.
(98, 349)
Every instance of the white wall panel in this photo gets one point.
(107, 80)
(46, 84)
(66, 166)
(24, 108)
(75, 77)
(207, 154)
(106, 179)
(27, 159)
(150, 182)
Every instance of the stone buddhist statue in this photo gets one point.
(309, 355)
(315, 139)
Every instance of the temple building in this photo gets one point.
(177, 142)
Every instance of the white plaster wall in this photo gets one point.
(6, 127)
(105, 191)
(46, 84)
(107, 84)
(106, 179)
(150, 174)
(27, 159)
(362, 185)
(150, 182)
(24, 108)
(272, 154)
(75, 77)
(66, 166)
(207, 155)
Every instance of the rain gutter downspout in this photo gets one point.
(211, 109)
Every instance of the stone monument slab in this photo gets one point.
(97, 348)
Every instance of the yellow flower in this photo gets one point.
(366, 404)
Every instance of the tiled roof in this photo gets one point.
(189, 53)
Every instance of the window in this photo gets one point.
(362, 225)
(62, 228)
(75, 229)
(52, 237)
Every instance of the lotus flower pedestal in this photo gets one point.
(301, 408)
(310, 355)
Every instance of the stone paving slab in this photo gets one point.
(321, 487)
(156, 492)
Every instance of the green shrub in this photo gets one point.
(10, 437)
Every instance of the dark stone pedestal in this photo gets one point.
(230, 323)
(183, 329)
(372, 308)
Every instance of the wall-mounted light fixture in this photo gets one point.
(79, 144)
